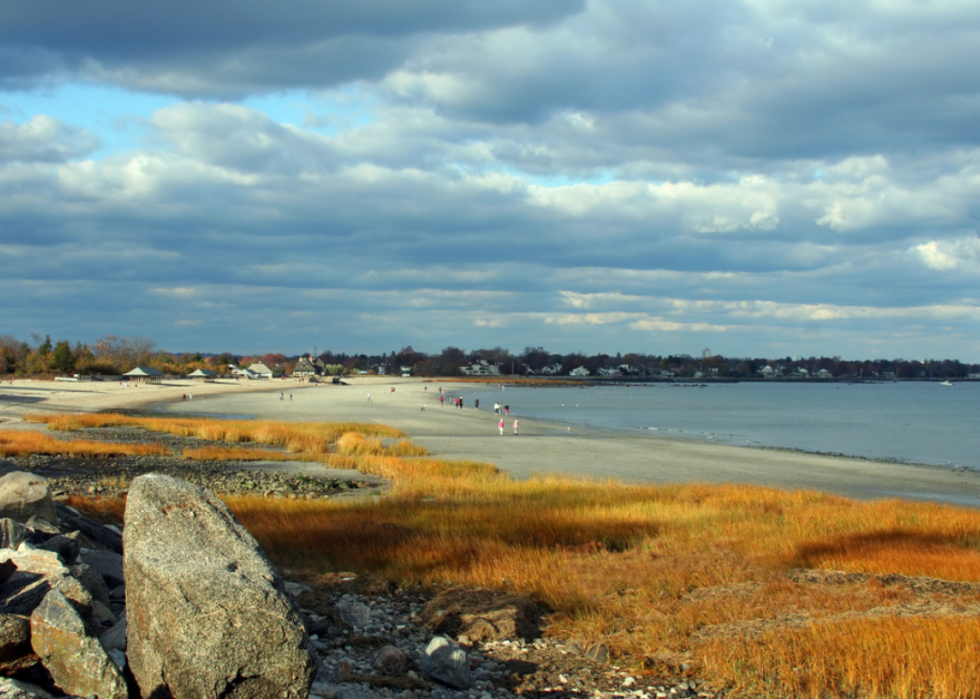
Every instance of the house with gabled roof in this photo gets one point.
(480, 368)
(260, 370)
(307, 366)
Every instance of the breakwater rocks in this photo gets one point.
(184, 604)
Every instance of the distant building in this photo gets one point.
(480, 368)
(307, 366)
(241, 372)
(145, 373)
(260, 370)
(580, 371)
(206, 374)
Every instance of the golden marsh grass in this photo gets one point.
(736, 581)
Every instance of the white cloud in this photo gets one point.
(44, 139)
(951, 254)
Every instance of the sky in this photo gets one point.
(759, 178)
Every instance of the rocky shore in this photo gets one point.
(191, 603)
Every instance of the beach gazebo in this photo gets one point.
(206, 374)
(145, 373)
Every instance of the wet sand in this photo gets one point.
(469, 434)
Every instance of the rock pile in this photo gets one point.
(184, 605)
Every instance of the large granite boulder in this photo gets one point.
(76, 660)
(24, 495)
(207, 614)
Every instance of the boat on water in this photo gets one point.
(947, 382)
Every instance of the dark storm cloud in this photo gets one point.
(224, 48)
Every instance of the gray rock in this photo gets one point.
(7, 569)
(446, 662)
(389, 660)
(12, 533)
(15, 639)
(66, 546)
(101, 534)
(353, 612)
(77, 662)
(42, 528)
(115, 637)
(108, 564)
(207, 615)
(13, 689)
(91, 581)
(7, 467)
(25, 495)
(38, 572)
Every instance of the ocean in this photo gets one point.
(908, 422)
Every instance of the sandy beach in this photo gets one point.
(470, 434)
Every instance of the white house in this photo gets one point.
(260, 370)
(239, 371)
(580, 371)
(480, 368)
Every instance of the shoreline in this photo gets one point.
(541, 448)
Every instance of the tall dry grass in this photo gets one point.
(732, 581)
(26, 443)
(305, 439)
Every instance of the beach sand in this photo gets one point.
(469, 434)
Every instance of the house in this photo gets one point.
(824, 374)
(307, 366)
(260, 370)
(608, 371)
(480, 368)
(580, 371)
(552, 369)
(240, 372)
(406, 371)
(145, 373)
(767, 372)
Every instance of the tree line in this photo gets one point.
(114, 355)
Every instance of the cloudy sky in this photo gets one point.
(756, 177)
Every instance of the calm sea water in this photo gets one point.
(916, 422)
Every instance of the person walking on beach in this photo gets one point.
(501, 426)
(506, 408)
(476, 403)
(461, 402)
(516, 425)
(442, 400)
(369, 397)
